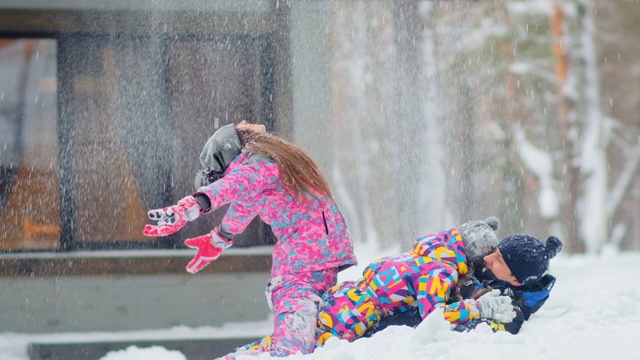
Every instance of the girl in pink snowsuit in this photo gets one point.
(260, 174)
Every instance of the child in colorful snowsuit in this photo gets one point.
(421, 279)
(527, 259)
(260, 174)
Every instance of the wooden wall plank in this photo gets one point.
(135, 22)
(119, 263)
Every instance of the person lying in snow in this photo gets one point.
(261, 174)
(516, 269)
(423, 279)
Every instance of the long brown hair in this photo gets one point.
(298, 170)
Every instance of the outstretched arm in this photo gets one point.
(513, 327)
(210, 247)
(236, 220)
(172, 218)
(243, 182)
(433, 290)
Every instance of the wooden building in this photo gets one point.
(104, 108)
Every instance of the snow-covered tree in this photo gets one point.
(449, 111)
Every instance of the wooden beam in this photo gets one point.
(143, 262)
(138, 22)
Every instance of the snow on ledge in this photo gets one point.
(138, 253)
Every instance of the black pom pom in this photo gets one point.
(553, 246)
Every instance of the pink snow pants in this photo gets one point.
(294, 300)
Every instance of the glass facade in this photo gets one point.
(29, 145)
(96, 130)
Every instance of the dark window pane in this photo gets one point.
(29, 179)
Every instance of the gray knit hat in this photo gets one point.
(221, 148)
(479, 238)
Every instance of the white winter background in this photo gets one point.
(593, 314)
(594, 309)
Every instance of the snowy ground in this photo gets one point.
(593, 314)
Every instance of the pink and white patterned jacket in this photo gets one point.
(312, 234)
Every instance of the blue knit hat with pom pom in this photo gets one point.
(527, 257)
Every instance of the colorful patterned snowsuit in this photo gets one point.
(313, 244)
(526, 301)
(419, 279)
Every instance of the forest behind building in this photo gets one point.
(451, 111)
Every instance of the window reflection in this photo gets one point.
(93, 132)
(29, 180)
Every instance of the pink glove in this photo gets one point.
(209, 247)
(172, 218)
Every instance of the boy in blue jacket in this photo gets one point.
(516, 269)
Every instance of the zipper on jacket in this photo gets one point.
(326, 228)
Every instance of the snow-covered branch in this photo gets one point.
(623, 181)
(539, 163)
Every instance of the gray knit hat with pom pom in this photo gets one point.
(479, 238)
